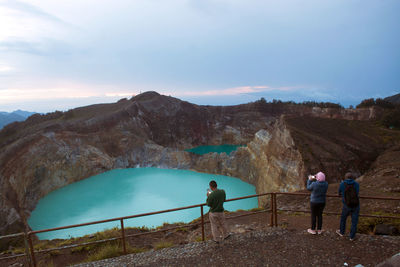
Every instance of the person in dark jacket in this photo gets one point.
(346, 210)
(215, 200)
(318, 187)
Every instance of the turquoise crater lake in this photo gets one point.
(124, 192)
(201, 150)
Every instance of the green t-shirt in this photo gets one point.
(216, 200)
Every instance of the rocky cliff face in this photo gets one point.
(270, 161)
(280, 157)
(47, 152)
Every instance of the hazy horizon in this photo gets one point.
(58, 55)
(203, 101)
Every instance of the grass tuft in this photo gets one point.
(199, 239)
(182, 229)
(163, 244)
(256, 209)
(105, 252)
(112, 250)
(367, 225)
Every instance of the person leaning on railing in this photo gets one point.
(318, 187)
(215, 200)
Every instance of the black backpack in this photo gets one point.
(350, 196)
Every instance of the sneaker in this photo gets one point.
(319, 232)
(226, 237)
(352, 239)
(339, 233)
(311, 231)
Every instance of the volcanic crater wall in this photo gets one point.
(49, 151)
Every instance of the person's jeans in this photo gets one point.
(354, 212)
(316, 213)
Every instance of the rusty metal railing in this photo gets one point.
(28, 236)
(275, 210)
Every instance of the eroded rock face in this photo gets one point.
(270, 161)
(48, 152)
(278, 163)
(347, 114)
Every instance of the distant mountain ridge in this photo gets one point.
(9, 117)
(395, 99)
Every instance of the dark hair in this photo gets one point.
(349, 175)
(213, 184)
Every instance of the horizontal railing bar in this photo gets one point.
(12, 257)
(379, 216)
(133, 235)
(78, 245)
(113, 239)
(69, 246)
(382, 198)
(177, 209)
(139, 234)
(328, 195)
(12, 235)
(193, 224)
(247, 214)
(115, 219)
(336, 213)
(164, 230)
(66, 247)
(146, 233)
(137, 215)
(250, 196)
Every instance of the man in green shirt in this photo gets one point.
(215, 200)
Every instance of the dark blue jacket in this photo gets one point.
(342, 187)
(318, 191)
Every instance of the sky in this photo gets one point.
(57, 55)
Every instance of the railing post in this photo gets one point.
(123, 235)
(28, 258)
(202, 223)
(272, 210)
(275, 211)
(32, 250)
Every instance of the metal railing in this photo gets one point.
(28, 236)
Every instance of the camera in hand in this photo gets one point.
(208, 191)
(311, 177)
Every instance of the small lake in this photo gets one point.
(201, 150)
(124, 192)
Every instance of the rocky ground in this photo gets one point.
(268, 247)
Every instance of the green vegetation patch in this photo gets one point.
(163, 244)
(105, 252)
(367, 225)
(112, 250)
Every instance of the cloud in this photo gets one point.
(30, 29)
(34, 48)
(55, 91)
(229, 91)
(240, 50)
(5, 68)
(29, 9)
(119, 94)
(240, 90)
(43, 47)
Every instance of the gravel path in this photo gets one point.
(268, 247)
